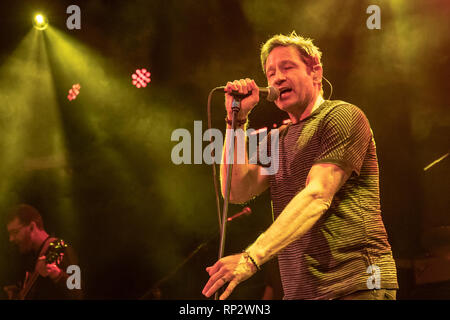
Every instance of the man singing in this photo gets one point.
(328, 233)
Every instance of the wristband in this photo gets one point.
(238, 122)
(248, 256)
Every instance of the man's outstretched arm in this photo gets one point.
(302, 212)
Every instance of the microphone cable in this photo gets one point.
(331, 87)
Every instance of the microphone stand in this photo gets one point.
(236, 107)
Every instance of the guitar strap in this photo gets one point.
(44, 247)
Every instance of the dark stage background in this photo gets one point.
(99, 167)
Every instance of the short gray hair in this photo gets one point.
(309, 53)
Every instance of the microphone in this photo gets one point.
(270, 93)
(246, 211)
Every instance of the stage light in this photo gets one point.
(39, 19)
(40, 22)
(73, 93)
(140, 78)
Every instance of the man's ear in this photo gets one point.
(317, 73)
(32, 225)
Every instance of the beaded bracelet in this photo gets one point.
(247, 255)
(238, 122)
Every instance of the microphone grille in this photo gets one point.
(273, 94)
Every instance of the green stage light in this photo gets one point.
(40, 22)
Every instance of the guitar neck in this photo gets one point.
(28, 285)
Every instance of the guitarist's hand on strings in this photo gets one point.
(50, 270)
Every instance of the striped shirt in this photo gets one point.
(347, 249)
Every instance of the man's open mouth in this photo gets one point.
(284, 92)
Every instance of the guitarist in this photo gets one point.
(42, 280)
